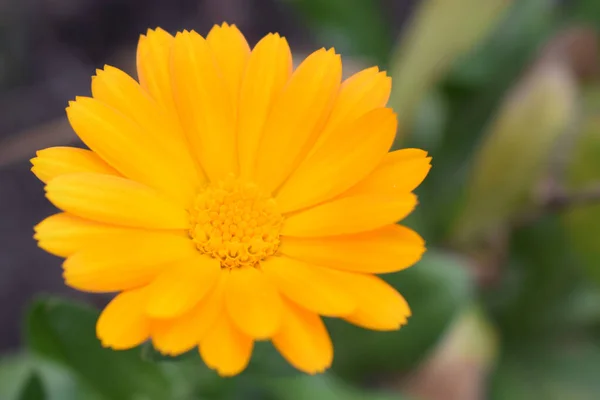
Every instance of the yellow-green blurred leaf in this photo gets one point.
(583, 221)
(516, 149)
(439, 32)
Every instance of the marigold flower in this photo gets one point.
(229, 198)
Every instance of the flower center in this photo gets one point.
(236, 223)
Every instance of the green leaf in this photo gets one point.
(354, 27)
(437, 34)
(58, 382)
(549, 373)
(583, 221)
(323, 387)
(65, 333)
(33, 389)
(14, 372)
(543, 105)
(437, 289)
(473, 91)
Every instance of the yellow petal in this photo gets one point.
(121, 92)
(153, 58)
(349, 214)
(178, 289)
(303, 341)
(225, 348)
(309, 286)
(400, 172)
(64, 234)
(124, 145)
(178, 335)
(380, 306)
(387, 249)
(204, 104)
(348, 156)
(269, 69)
(253, 302)
(122, 324)
(359, 94)
(115, 200)
(297, 117)
(56, 161)
(125, 263)
(232, 52)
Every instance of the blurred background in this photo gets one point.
(504, 94)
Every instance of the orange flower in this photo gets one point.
(229, 199)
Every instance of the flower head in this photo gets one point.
(229, 198)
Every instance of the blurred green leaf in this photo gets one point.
(354, 27)
(58, 382)
(14, 372)
(65, 333)
(437, 289)
(549, 373)
(437, 34)
(516, 150)
(512, 42)
(33, 389)
(323, 387)
(586, 11)
(545, 279)
(473, 91)
(583, 171)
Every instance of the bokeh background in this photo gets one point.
(505, 96)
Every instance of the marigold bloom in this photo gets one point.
(229, 198)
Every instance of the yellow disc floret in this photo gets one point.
(236, 223)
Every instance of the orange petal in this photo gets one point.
(153, 58)
(253, 302)
(231, 52)
(359, 94)
(64, 234)
(297, 117)
(387, 249)
(303, 341)
(350, 154)
(309, 286)
(178, 335)
(349, 214)
(123, 324)
(269, 69)
(400, 172)
(204, 104)
(115, 200)
(225, 348)
(56, 161)
(123, 263)
(131, 150)
(178, 289)
(120, 91)
(380, 306)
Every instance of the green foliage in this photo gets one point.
(427, 50)
(583, 173)
(33, 389)
(550, 373)
(64, 332)
(324, 387)
(354, 27)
